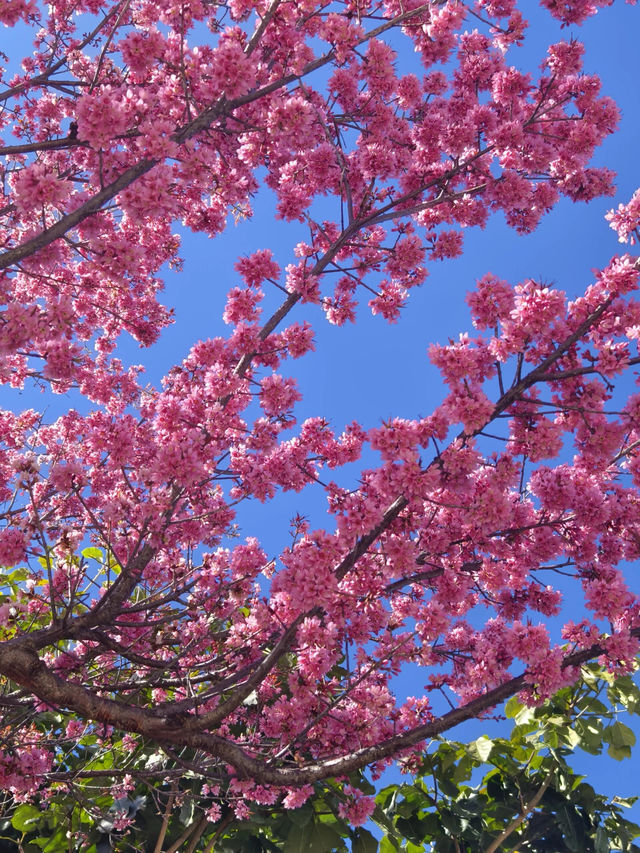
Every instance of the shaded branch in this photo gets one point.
(526, 810)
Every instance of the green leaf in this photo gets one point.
(243, 842)
(470, 806)
(326, 838)
(388, 845)
(525, 715)
(17, 575)
(601, 841)
(93, 554)
(619, 753)
(569, 822)
(447, 787)
(410, 828)
(569, 736)
(590, 703)
(364, 842)
(450, 821)
(619, 735)
(513, 707)
(626, 802)
(412, 800)
(311, 838)
(54, 844)
(362, 783)
(301, 816)
(386, 795)
(298, 840)
(483, 746)
(25, 817)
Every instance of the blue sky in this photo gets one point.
(371, 371)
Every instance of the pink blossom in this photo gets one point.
(13, 545)
(258, 267)
(102, 115)
(626, 220)
(36, 187)
(358, 808)
(298, 797)
(277, 394)
(13, 10)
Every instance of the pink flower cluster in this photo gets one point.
(626, 220)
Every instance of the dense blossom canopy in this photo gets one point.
(128, 605)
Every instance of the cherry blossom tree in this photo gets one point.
(132, 614)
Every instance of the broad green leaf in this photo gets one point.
(301, 816)
(513, 707)
(569, 820)
(447, 787)
(472, 805)
(590, 703)
(483, 746)
(18, 575)
(450, 821)
(388, 845)
(569, 736)
(381, 818)
(385, 796)
(311, 838)
(525, 715)
(618, 735)
(626, 802)
(25, 817)
(430, 826)
(299, 839)
(93, 554)
(364, 842)
(410, 828)
(619, 753)
(601, 841)
(54, 844)
(326, 838)
(363, 784)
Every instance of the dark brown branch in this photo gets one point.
(365, 542)
(418, 578)
(47, 145)
(23, 666)
(240, 693)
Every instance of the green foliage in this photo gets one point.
(520, 793)
(515, 793)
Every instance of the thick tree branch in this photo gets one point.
(23, 666)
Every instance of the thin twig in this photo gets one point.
(166, 817)
(526, 810)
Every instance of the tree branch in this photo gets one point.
(528, 808)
